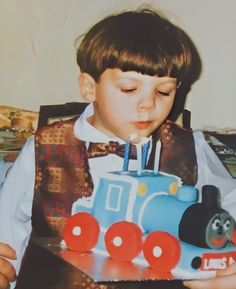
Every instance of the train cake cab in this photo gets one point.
(154, 220)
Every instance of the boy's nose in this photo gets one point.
(146, 102)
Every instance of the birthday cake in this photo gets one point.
(152, 219)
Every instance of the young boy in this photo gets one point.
(136, 68)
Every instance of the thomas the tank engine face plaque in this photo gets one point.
(219, 230)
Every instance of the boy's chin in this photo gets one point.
(133, 135)
(137, 137)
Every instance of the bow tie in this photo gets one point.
(103, 149)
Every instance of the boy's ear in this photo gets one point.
(87, 87)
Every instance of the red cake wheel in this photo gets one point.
(81, 232)
(123, 241)
(162, 251)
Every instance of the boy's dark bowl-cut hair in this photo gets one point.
(142, 41)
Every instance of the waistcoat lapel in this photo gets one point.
(62, 172)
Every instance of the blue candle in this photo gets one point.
(126, 156)
(145, 149)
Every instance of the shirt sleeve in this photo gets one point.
(16, 198)
(212, 172)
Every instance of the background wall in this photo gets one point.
(37, 59)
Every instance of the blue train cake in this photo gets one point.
(152, 219)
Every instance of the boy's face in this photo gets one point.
(128, 103)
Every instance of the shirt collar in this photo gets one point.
(85, 131)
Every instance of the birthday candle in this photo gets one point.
(145, 147)
(139, 158)
(126, 156)
(157, 157)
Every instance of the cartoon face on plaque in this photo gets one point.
(219, 230)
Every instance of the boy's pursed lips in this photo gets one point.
(142, 124)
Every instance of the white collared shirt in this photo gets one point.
(16, 194)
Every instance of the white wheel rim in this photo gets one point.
(76, 231)
(117, 241)
(157, 251)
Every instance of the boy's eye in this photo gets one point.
(128, 90)
(165, 93)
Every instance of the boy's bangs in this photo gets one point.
(158, 64)
(153, 54)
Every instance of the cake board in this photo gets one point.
(46, 265)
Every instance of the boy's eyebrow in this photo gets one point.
(169, 83)
(129, 76)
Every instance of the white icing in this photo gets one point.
(110, 191)
(76, 231)
(117, 241)
(157, 251)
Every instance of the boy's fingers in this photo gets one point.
(7, 270)
(7, 251)
(198, 284)
(228, 271)
(226, 282)
(4, 284)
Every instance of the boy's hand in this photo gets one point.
(7, 271)
(225, 279)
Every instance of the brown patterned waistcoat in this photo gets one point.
(62, 170)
